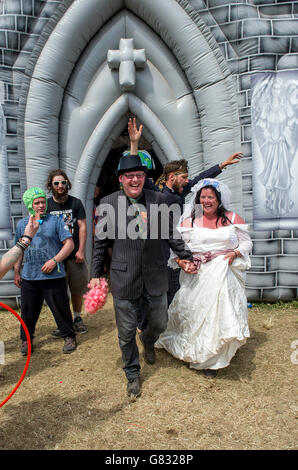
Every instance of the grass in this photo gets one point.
(79, 401)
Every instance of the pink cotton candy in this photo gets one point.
(96, 298)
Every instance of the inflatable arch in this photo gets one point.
(72, 106)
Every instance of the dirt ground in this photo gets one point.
(79, 401)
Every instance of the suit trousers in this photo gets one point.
(156, 312)
(174, 283)
(174, 286)
(54, 292)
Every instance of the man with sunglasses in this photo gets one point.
(71, 210)
(138, 272)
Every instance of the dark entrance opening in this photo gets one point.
(107, 181)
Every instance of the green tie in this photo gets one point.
(141, 217)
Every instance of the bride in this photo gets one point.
(208, 315)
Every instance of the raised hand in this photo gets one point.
(134, 132)
(32, 227)
(234, 158)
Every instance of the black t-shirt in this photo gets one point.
(70, 211)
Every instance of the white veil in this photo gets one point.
(225, 194)
(222, 188)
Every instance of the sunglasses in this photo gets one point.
(56, 183)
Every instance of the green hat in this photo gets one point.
(146, 158)
(30, 195)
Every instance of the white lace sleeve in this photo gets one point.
(185, 232)
(245, 243)
(171, 261)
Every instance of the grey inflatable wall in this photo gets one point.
(189, 79)
(5, 215)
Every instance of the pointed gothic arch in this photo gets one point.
(73, 107)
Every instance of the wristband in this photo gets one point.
(57, 264)
(27, 236)
(21, 245)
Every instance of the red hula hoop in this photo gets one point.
(28, 355)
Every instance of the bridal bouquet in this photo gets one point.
(96, 298)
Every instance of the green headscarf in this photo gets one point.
(30, 195)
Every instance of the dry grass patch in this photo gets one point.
(78, 401)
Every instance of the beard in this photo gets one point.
(60, 197)
(178, 189)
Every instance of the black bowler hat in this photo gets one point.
(129, 163)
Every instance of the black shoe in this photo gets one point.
(69, 345)
(134, 388)
(24, 348)
(79, 326)
(210, 372)
(149, 354)
(57, 333)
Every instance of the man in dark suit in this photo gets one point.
(133, 223)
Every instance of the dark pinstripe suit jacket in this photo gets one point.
(135, 263)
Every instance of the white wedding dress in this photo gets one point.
(208, 315)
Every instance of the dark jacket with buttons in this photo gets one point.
(136, 263)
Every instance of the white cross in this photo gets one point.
(126, 59)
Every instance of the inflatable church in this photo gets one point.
(206, 78)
